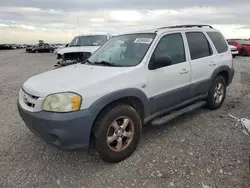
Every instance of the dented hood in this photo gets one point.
(90, 49)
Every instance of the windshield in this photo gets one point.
(124, 50)
(91, 40)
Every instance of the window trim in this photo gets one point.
(158, 42)
(211, 51)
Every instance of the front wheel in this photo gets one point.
(217, 93)
(117, 133)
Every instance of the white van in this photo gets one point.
(134, 79)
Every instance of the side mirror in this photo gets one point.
(160, 62)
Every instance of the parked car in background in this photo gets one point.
(40, 48)
(19, 46)
(243, 46)
(6, 47)
(29, 48)
(80, 48)
(134, 79)
(234, 50)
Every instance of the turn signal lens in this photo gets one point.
(76, 102)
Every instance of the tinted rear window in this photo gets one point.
(198, 45)
(219, 41)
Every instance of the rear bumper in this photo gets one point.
(65, 131)
(235, 52)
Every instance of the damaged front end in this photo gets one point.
(71, 58)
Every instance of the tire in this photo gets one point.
(103, 130)
(234, 56)
(36, 51)
(216, 97)
(243, 52)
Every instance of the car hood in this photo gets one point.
(90, 49)
(70, 78)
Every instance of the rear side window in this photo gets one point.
(198, 45)
(219, 42)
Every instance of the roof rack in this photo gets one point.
(186, 26)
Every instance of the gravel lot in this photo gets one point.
(198, 149)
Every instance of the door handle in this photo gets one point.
(212, 63)
(184, 71)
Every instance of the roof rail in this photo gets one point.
(186, 26)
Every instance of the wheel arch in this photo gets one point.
(132, 96)
(224, 71)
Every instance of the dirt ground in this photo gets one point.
(201, 149)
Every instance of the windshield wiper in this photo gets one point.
(74, 45)
(87, 61)
(105, 63)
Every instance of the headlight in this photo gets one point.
(62, 102)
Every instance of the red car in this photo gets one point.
(243, 46)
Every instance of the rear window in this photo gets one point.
(219, 41)
(198, 45)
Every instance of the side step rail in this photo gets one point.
(163, 120)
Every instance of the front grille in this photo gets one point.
(234, 50)
(29, 100)
(76, 56)
(30, 104)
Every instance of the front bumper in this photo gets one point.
(65, 131)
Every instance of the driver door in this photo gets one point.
(169, 85)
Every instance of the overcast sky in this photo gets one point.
(27, 21)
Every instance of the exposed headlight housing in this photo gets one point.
(62, 102)
(59, 56)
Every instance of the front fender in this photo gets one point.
(102, 102)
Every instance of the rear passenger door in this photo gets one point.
(202, 60)
(169, 85)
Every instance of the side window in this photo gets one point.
(198, 45)
(172, 46)
(219, 41)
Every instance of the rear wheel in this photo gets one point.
(217, 93)
(243, 52)
(117, 133)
